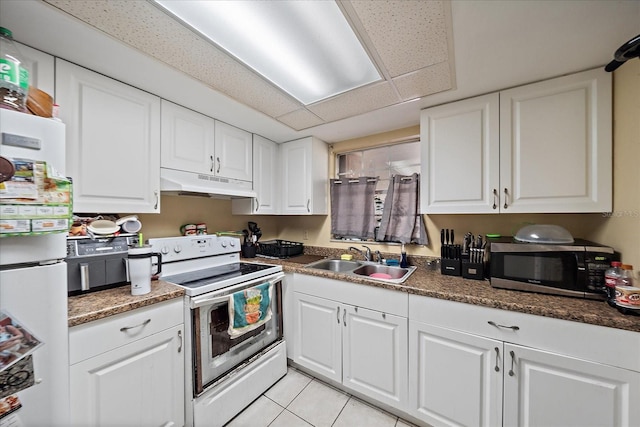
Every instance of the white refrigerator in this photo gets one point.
(33, 278)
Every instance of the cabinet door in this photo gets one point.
(460, 155)
(318, 335)
(113, 142)
(140, 384)
(187, 140)
(265, 175)
(296, 179)
(548, 389)
(233, 148)
(555, 145)
(455, 378)
(266, 181)
(375, 355)
(305, 168)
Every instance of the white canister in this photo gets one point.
(139, 269)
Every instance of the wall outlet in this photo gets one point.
(305, 234)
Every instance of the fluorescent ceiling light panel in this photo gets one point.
(306, 48)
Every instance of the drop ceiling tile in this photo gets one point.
(300, 119)
(147, 28)
(407, 34)
(357, 101)
(427, 81)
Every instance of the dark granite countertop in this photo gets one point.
(98, 305)
(425, 282)
(431, 283)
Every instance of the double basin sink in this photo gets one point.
(370, 270)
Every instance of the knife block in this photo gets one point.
(472, 270)
(450, 267)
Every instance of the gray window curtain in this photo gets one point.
(401, 221)
(353, 207)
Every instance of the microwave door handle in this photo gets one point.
(210, 299)
(581, 269)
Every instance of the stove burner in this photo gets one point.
(199, 278)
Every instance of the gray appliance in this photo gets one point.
(96, 264)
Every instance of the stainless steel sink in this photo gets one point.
(338, 265)
(392, 272)
(382, 273)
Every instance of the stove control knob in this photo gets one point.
(164, 250)
(223, 243)
(232, 243)
(177, 249)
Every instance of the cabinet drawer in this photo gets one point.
(93, 338)
(371, 297)
(601, 344)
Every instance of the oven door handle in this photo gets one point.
(215, 297)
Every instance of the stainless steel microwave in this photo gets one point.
(575, 269)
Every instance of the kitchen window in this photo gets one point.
(383, 162)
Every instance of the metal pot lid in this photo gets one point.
(544, 233)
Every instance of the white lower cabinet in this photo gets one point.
(364, 349)
(455, 378)
(547, 389)
(488, 374)
(129, 369)
(374, 354)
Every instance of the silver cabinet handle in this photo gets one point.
(155, 193)
(495, 198)
(84, 276)
(212, 164)
(218, 159)
(308, 203)
(506, 197)
(513, 362)
(180, 339)
(513, 328)
(126, 328)
(344, 317)
(257, 204)
(497, 368)
(338, 315)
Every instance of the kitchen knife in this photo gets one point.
(452, 239)
(442, 243)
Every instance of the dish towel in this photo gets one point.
(401, 221)
(249, 309)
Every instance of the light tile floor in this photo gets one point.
(298, 400)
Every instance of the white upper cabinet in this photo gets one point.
(555, 145)
(305, 177)
(187, 139)
(460, 156)
(113, 142)
(540, 148)
(266, 180)
(193, 142)
(233, 152)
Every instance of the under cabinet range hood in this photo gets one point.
(178, 182)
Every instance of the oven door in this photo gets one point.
(215, 353)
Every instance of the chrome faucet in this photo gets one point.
(381, 259)
(366, 255)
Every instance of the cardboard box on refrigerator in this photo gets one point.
(35, 200)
